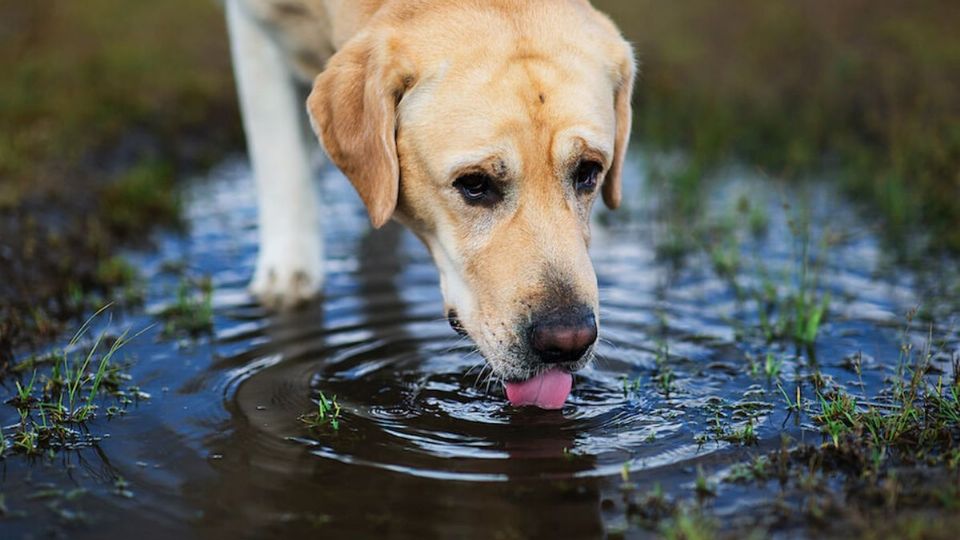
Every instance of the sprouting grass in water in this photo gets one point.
(327, 414)
(664, 376)
(771, 367)
(790, 306)
(702, 486)
(758, 469)
(837, 415)
(794, 404)
(664, 381)
(914, 419)
(630, 386)
(191, 314)
(55, 406)
(744, 435)
(687, 524)
(658, 513)
(805, 306)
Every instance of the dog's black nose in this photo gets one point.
(563, 336)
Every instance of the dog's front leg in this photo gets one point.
(290, 263)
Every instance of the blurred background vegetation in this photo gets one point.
(864, 91)
(104, 103)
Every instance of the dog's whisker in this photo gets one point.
(478, 382)
(471, 370)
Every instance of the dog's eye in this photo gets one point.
(478, 189)
(586, 176)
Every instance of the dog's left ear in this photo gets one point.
(353, 110)
(624, 116)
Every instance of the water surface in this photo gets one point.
(427, 446)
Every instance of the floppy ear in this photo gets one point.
(353, 110)
(624, 118)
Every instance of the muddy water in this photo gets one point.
(427, 446)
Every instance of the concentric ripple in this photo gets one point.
(417, 400)
(427, 446)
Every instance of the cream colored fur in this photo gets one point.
(410, 95)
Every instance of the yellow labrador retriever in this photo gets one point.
(487, 127)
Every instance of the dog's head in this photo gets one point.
(489, 129)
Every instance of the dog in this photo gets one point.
(487, 127)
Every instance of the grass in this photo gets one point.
(793, 404)
(758, 469)
(799, 88)
(191, 313)
(664, 378)
(660, 514)
(745, 435)
(797, 308)
(791, 303)
(915, 417)
(144, 195)
(702, 486)
(56, 405)
(888, 458)
(631, 386)
(770, 368)
(86, 172)
(326, 415)
(117, 274)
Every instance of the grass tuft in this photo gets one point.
(56, 405)
(191, 314)
(327, 414)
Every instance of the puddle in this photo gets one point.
(426, 445)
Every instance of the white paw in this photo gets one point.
(288, 281)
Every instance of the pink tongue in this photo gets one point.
(548, 390)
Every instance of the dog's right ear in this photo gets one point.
(353, 110)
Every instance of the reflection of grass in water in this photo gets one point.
(63, 394)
